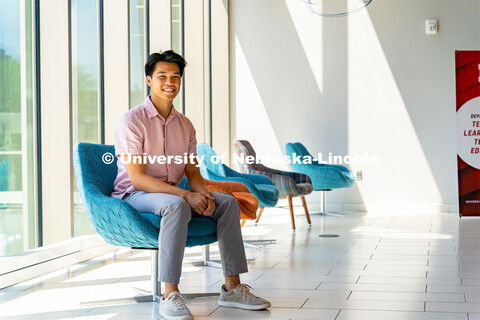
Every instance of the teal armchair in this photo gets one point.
(324, 177)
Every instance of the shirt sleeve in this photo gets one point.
(192, 148)
(128, 136)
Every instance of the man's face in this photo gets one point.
(165, 80)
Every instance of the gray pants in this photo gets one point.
(176, 213)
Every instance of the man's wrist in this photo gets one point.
(184, 193)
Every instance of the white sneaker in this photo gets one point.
(174, 307)
(242, 298)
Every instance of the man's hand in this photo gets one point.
(197, 201)
(210, 208)
(202, 203)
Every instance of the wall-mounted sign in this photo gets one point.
(467, 65)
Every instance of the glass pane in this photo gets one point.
(85, 97)
(17, 182)
(138, 52)
(177, 43)
(176, 26)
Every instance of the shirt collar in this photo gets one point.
(152, 111)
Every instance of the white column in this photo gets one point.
(160, 25)
(221, 138)
(116, 52)
(194, 73)
(57, 168)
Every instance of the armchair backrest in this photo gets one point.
(244, 147)
(207, 152)
(92, 173)
(301, 150)
(293, 149)
(114, 219)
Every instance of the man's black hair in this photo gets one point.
(167, 56)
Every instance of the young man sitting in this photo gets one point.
(155, 128)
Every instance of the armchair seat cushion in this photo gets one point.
(197, 227)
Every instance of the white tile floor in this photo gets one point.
(403, 266)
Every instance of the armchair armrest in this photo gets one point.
(326, 172)
(253, 178)
(296, 176)
(217, 188)
(285, 185)
(228, 185)
(249, 185)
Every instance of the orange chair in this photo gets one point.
(248, 202)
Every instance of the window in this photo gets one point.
(86, 122)
(17, 128)
(177, 45)
(138, 51)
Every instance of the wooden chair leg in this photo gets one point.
(290, 205)
(259, 215)
(306, 210)
(243, 222)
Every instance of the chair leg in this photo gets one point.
(259, 215)
(242, 222)
(206, 259)
(145, 296)
(323, 206)
(154, 277)
(154, 295)
(290, 205)
(323, 202)
(252, 243)
(306, 210)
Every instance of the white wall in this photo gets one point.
(373, 82)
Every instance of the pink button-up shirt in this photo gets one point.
(143, 130)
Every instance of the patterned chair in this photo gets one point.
(247, 202)
(324, 177)
(289, 184)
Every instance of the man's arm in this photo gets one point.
(143, 182)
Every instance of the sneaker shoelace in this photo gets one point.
(244, 290)
(179, 301)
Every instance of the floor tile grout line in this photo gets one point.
(258, 277)
(213, 311)
(337, 314)
(348, 297)
(304, 303)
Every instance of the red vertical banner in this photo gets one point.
(467, 64)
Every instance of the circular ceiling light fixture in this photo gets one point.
(336, 8)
